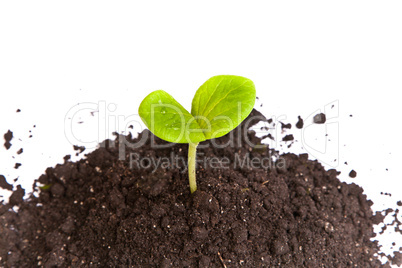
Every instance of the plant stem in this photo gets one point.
(192, 153)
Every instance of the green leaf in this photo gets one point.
(222, 103)
(168, 120)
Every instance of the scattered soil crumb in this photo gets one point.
(4, 184)
(299, 123)
(319, 118)
(8, 136)
(288, 137)
(78, 148)
(268, 136)
(352, 174)
(284, 126)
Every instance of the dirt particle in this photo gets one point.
(352, 174)
(319, 118)
(286, 126)
(4, 184)
(299, 123)
(80, 149)
(329, 228)
(288, 137)
(66, 158)
(268, 136)
(8, 136)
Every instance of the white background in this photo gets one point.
(302, 55)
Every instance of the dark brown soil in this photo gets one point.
(288, 137)
(288, 125)
(99, 211)
(8, 136)
(4, 184)
(319, 118)
(300, 122)
(352, 174)
(17, 165)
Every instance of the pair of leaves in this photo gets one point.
(218, 106)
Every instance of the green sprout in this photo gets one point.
(218, 107)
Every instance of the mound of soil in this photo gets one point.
(255, 208)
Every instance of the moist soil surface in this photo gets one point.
(283, 210)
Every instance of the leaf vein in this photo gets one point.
(210, 96)
(224, 97)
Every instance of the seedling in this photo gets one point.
(218, 107)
